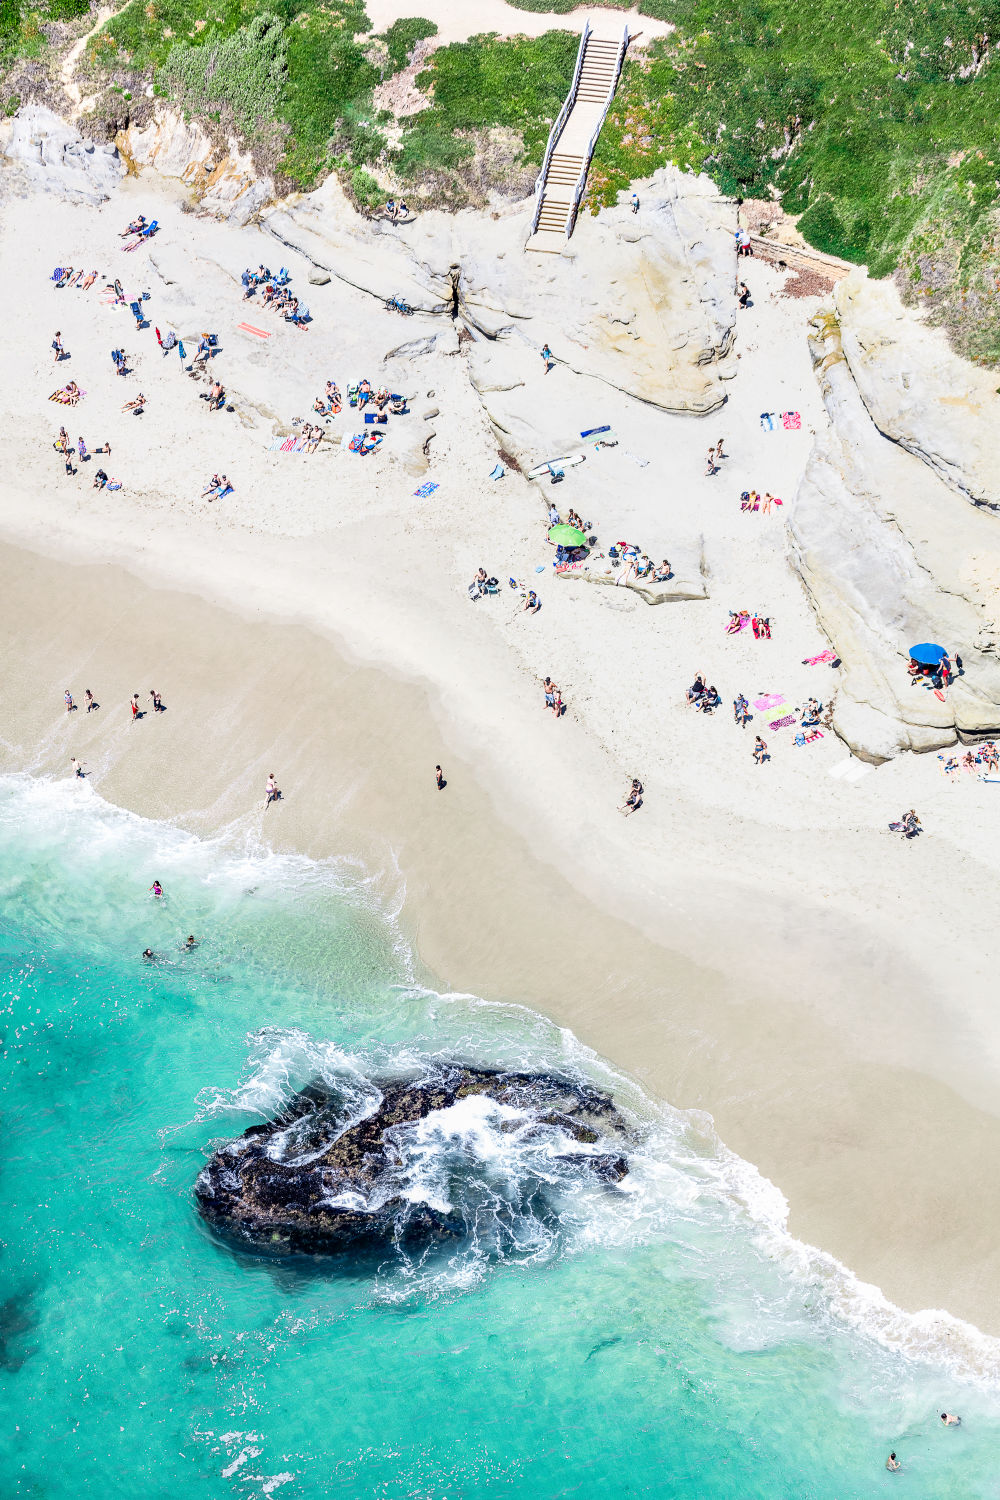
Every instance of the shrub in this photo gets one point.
(403, 35)
(246, 71)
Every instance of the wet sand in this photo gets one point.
(886, 1166)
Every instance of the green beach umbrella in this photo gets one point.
(567, 536)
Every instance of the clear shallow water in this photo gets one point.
(666, 1340)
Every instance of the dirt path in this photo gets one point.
(67, 73)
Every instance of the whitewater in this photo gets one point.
(667, 1336)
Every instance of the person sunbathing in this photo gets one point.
(312, 436)
(333, 394)
(320, 406)
(136, 227)
(381, 397)
(634, 798)
(136, 406)
(72, 392)
(663, 572)
(216, 396)
(212, 485)
(710, 701)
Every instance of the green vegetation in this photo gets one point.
(402, 36)
(877, 124)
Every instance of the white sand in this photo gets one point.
(863, 958)
(457, 20)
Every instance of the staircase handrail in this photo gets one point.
(557, 127)
(581, 181)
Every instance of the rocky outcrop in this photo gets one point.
(934, 404)
(886, 548)
(330, 1174)
(51, 156)
(224, 181)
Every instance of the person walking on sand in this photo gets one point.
(551, 693)
(547, 356)
(157, 704)
(57, 346)
(439, 778)
(719, 455)
(271, 789)
(635, 203)
(92, 702)
(134, 705)
(760, 754)
(711, 461)
(68, 700)
(77, 767)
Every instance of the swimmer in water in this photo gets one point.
(950, 1420)
(156, 888)
(148, 955)
(191, 944)
(892, 1462)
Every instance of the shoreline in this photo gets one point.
(754, 944)
(865, 1153)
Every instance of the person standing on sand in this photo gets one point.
(271, 789)
(439, 778)
(157, 704)
(711, 461)
(134, 706)
(68, 700)
(57, 347)
(719, 455)
(92, 702)
(760, 754)
(547, 357)
(635, 203)
(77, 767)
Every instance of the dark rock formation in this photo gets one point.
(319, 1180)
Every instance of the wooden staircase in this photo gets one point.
(574, 135)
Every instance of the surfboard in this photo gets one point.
(555, 463)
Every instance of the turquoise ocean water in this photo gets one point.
(667, 1339)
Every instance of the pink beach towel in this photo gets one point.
(261, 333)
(770, 700)
(815, 734)
(781, 723)
(791, 420)
(812, 661)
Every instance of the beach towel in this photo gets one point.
(769, 700)
(791, 420)
(426, 489)
(260, 333)
(781, 723)
(498, 471)
(812, 661)
(113, 484)
(642, 462)
(593, 431)
(807, 739)
(767, 420)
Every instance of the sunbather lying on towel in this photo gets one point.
(136, 227)
(136, 406)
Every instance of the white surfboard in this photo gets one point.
(555, 463)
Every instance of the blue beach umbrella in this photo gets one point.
(927, 654)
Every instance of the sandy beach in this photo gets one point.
(753, 944)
